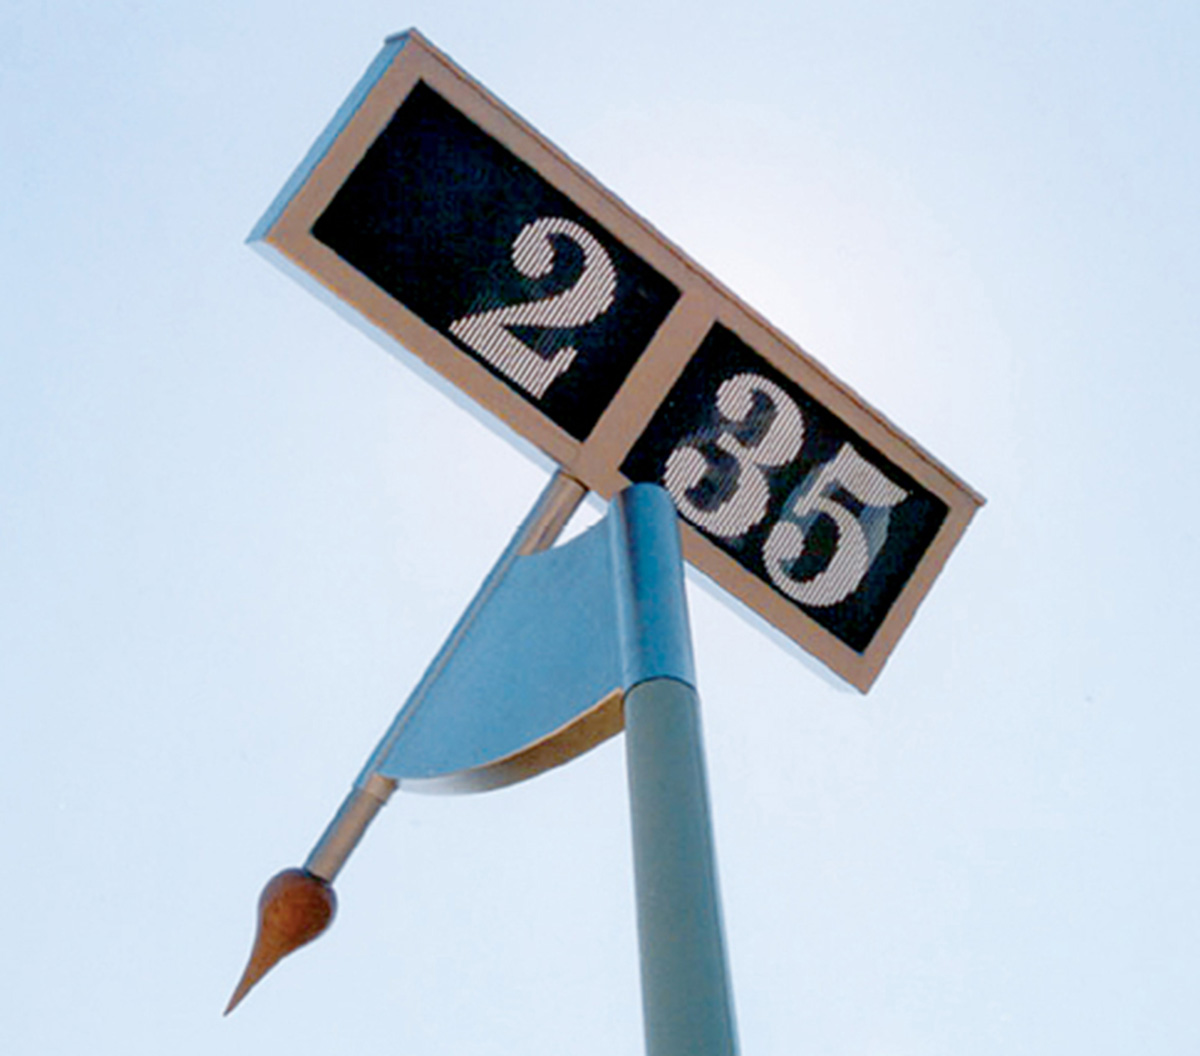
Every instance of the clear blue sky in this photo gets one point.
(233, 531)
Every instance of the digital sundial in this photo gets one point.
(474, 249)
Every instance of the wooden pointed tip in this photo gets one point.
(293, 909)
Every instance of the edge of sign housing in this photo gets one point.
(595, 459)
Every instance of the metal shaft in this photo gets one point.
(341, 836)
(686, 995)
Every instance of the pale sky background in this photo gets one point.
(233, 531)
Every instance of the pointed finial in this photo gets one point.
(294, 908)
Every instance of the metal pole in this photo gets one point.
(371, 791)
(686, 995)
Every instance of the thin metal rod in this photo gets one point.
(343, 833)
(687, 999)
(543, 525)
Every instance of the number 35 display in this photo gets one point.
(786, 489)
(475, 249)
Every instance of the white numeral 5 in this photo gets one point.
(860, 535)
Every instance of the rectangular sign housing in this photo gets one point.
(463, 238)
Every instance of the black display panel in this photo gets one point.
(468, 237)
(787, 489)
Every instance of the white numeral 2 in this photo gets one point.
(533, 255)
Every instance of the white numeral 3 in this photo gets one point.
(745, 504)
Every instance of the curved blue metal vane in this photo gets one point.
(538, 673)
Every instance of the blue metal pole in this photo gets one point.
(686, 995)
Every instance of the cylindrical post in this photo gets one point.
(686, 995)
